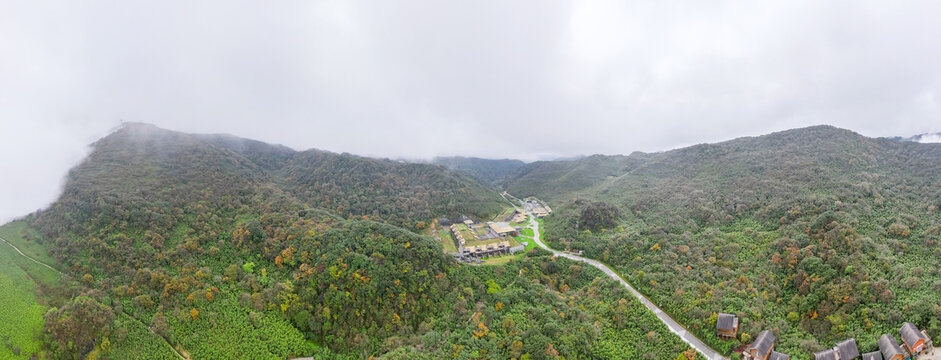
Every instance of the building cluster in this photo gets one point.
(844, 350)
(915, 342)
(476, 240)
(539, 208)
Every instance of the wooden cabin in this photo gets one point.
(914, 340)
(727, 326)
(890, 348)
(875, 355)
(778, 356)
(761, 348)
(828, 354)
(847, 349)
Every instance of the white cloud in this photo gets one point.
(423, 78)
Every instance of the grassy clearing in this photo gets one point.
(503, 215)
(530, 244)
(21, 316)
(484, 242)
(447, 241)
(500, 260)
(14, 231)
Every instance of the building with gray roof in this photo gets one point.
(762, 347)
(847, 349)
(913, 339)
(828, 354)
(890, 348)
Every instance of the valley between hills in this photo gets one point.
(166, 245)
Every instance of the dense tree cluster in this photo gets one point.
(401, 193)
(819, 234)
(597, 215)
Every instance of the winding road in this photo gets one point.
(674, 326)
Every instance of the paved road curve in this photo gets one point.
(675, 327)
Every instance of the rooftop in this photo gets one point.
(889, 347)
(847, 349)
(726, 322)
(910, 333)
(501, 227)
(828, 354)
(763, 343)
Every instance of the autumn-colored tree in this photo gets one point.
(89, 280)
(551, 351)
(481, 330)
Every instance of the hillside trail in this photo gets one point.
(60, 273)
(29, 257)
(675, 327)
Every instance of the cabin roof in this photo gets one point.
(726, 322)
(875, 355)
(828, 354)
(889, 347)
(778, 356)
(848, 349)
(763, 343)
(910, 333)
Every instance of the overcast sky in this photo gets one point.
(523, 79)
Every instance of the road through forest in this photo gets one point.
(674, 326)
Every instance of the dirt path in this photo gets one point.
(28, 257)
(60, 273)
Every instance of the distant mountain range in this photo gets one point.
(486, 170)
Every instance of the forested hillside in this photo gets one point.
(818, 234)
(489, 171)
(402, 193)
(215, 247)
(551, 179)
(144, 164)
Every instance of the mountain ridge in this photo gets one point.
(809, 232)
